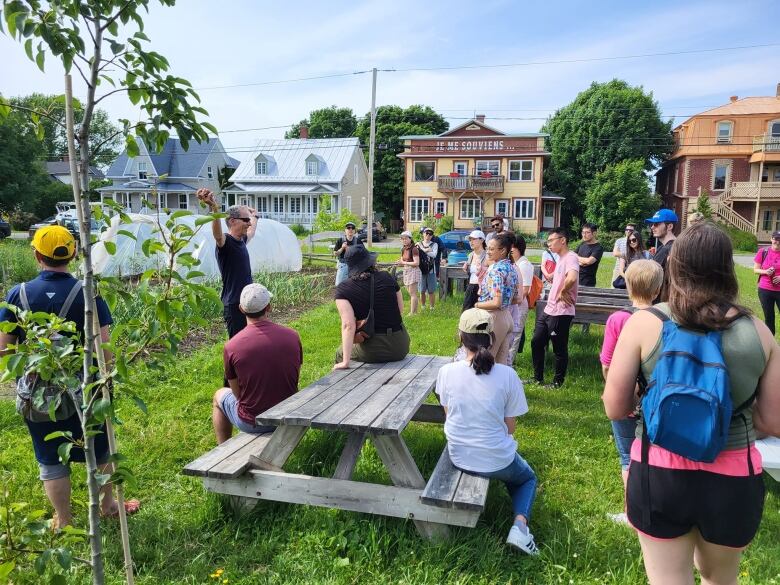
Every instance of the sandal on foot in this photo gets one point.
(131, 507)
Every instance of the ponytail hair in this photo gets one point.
(479, 343)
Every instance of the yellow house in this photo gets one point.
(474, 172)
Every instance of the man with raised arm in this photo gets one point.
(232, 256)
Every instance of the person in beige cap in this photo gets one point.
(481, 400)
(262, 365)
(410, 260)
(56, 291)
(476, 267)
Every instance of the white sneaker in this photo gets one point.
(524, 542)
(619, 518)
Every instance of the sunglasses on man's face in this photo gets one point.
(244, 219)
(497, 225)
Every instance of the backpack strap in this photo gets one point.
(69, 299)
(658, 313)
(23, 297)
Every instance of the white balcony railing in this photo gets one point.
(766, 143)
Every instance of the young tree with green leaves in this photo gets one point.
(96, 39)
(618, 195)
(606, 124)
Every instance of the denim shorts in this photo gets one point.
(427, 283)
(49, 465)
(229, 407)
(624, 431)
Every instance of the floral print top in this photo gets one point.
(501, 279)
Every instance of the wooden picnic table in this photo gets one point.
(367, 401)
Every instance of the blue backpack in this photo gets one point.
(687, 406)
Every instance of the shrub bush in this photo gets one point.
(740, 241)
(299, 230)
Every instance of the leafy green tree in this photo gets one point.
(105, 135)
(392, 122)
(604, 125)
(21, 171)
(618, 195)
(328, 221)
(332, 122)
(703, 205)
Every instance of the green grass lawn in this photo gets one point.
(183, 534)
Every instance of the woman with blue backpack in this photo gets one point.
(709, 375)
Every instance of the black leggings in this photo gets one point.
(769, 299)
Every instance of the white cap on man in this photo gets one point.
(254, 298)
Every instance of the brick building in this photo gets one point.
(732, 153)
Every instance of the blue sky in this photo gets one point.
(249, 41)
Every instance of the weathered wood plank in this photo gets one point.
(330, 417)
(404, 473)
(238, 462)
(394, 420)
(349, 456)
(397, 502)
(274, 415)
(202, 464)
(304, 414)
(471, 493)
(443, 484)
(283, 442)
(430, 413)
(383, 398)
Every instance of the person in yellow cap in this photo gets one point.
(56, 291)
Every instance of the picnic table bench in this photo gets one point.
(367, 401)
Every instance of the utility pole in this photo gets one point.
(371, 148)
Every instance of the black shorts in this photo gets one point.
(726, 509)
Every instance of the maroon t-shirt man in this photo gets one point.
(266, 359)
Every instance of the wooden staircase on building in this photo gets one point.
(723, 210)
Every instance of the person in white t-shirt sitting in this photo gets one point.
(481, 400)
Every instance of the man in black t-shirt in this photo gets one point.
(350, 238)
(232, 256)
(590, 253)
(390, 341)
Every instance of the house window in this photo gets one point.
(676, 177)
(418, 209)
(223, 202)
(210, 172)
(184, 201)
(244, 200)
(261, 167)
(470, 208)
(295, 205)
(278, 204)
(313, 205)
(461, 167)
(440, 207)
(724, 131)
(767, 223)
(312, 167)
(348, 202)
(424, 170)
(525, 208)
(355, 175)
(142, 170)
(121, 199)
(262, 205)
(489, 166)
(502, 208)
(363, 211)
(521, 170)
(719, 176)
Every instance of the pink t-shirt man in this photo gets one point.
(556, 307)
(772, 259)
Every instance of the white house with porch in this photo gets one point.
(286, 180)
(136, 180)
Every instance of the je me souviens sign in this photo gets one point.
(477, 145)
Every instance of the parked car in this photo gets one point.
(5, 229)
(71, 223)
(452, 238)
(378, 233)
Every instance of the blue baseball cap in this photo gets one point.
(663, 216)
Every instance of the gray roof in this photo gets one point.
(140, 185)
(287, 160)
(174, 161)
(62, 167)
(284, 188)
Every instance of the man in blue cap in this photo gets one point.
(662, 228)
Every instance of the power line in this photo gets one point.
(281, 81)
(583, 60)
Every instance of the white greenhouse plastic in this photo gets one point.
(274, 248)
